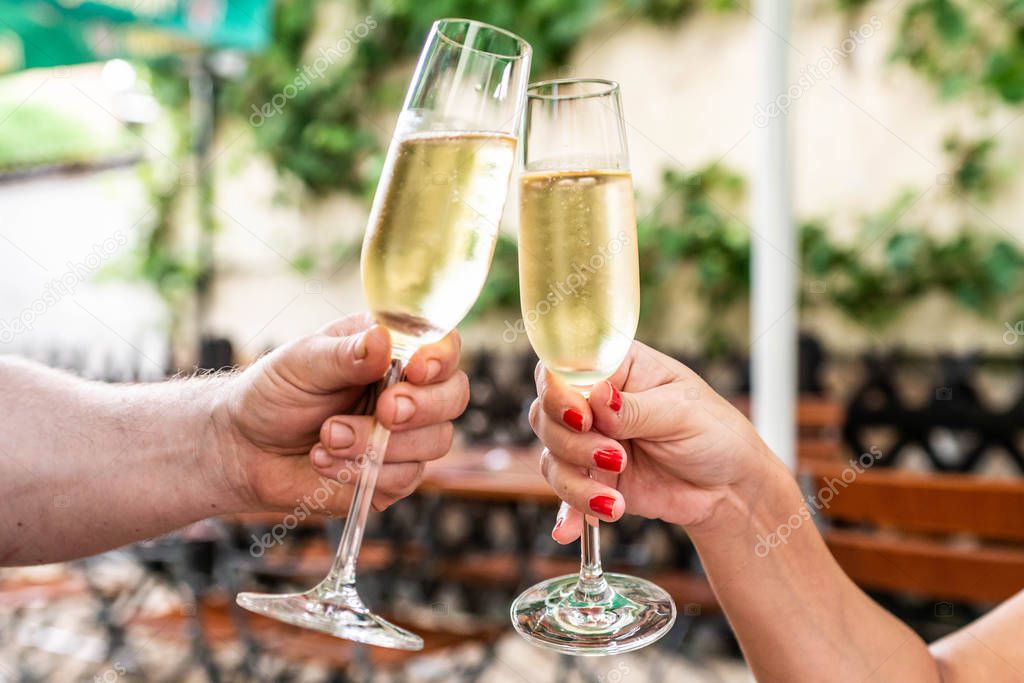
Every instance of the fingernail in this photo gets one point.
(563, 510)
(433, 369)
(341, 435)
(614, 398)
(573, 418)
(361, 349)
(608, 459)
(404, 408)
(320, 457)
(602, 505)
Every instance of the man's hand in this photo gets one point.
(283, 424)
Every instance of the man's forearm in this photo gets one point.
(798, 617)
(91, 466)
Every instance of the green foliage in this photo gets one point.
(694, 222)
(501, 291)
(673, 10)
(974, 172)
(872, 279)
(966, 46)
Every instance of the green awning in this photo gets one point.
(47, 33)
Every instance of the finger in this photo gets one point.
(344, 438)
(655, 413)
(408, 406)
(568, 525)
(561, 401)
(589, 450)
(572, 485)
(327, 364)
(435, 362)
(397, 481)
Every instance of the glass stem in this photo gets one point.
(591, 586)
(343, 571)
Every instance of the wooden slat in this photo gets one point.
(926, 503)
(824, 449)
(926, 568)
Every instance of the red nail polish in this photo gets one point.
(615, 398)
(608, 459)
(573, 418)
(602, 505)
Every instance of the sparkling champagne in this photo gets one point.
(579, 279)
(432, 231)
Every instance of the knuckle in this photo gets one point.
(535, 414)
(462, 384)
(546, 462)
(447, 437)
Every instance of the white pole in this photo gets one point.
(773, 305)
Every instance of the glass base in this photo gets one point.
(638, 614)
(340, 613)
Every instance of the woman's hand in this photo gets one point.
(659, 441)
(287, 418)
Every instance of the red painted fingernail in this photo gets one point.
(608, 459)
(602, 505)
(573, 418)
(615, 398)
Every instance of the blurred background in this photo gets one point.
(184, 184)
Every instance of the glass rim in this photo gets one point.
(608, 88)
(525, 47)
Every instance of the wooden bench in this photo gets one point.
(940, 536)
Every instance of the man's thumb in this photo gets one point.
(326, 363)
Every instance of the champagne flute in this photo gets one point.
(580, 294)
(428, 246)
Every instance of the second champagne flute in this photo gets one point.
(580, 289)
(429, 242)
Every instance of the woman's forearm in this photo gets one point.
(797, 616)
(90, 466)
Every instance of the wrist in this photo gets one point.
(223, 450)
(753, 505)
